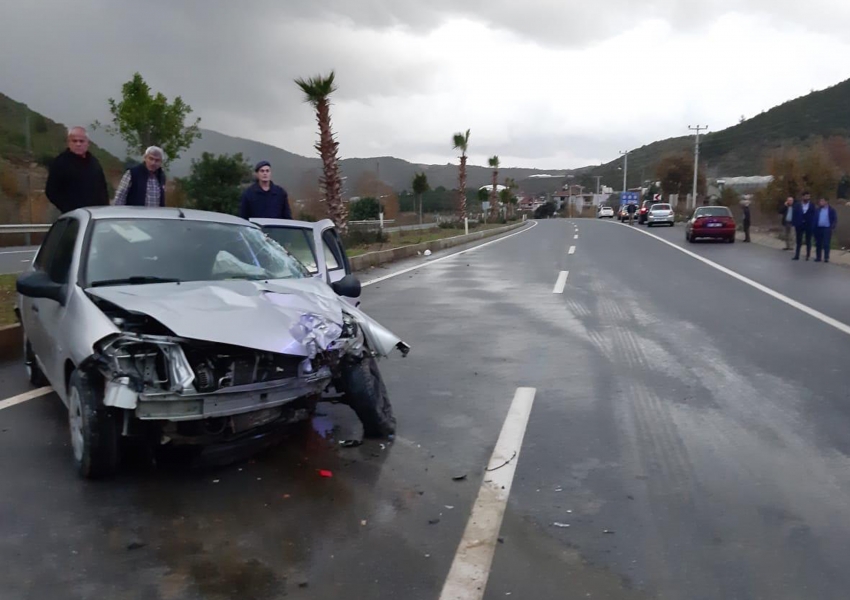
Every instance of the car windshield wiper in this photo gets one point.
(135, 280)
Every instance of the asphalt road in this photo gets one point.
(16, 259)
(690, 429)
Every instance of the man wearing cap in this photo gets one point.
(144, 184)
(264, 199)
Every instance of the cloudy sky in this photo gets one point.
(542, 83)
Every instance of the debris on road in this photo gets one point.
(350, 443)
(325, 473)
(608, 531)
(363, 522)
(449, 507)
(433, 521)
(459, 477)
(427, 253)
(501, 540)
(506, 463)
(216, 480)
(561, 525)
(135, 545)
(303, 584)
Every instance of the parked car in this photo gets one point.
(660, 214)
(714, 222)
(643, 213)
(182, 327)
(605, 212)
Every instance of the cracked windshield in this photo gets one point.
(424, 301)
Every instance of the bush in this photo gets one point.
(364, 237)
(364, 209)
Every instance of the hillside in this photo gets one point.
(296, 172)
(742, 148)
(47, 138)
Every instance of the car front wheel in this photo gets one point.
(367, 396)
(93, 427)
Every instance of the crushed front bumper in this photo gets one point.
(229, 401)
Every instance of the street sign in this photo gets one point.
(629, 198)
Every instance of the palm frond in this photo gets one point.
(493, 162)
(318, 87)
(461, 141)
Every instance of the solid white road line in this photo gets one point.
(470, 569)
(21, 398)
(572, 250)
(561, 282)
(441, 259)
(843, 327)
(19, 252)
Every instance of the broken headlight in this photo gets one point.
(147, 361)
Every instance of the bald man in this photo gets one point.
(75, 178)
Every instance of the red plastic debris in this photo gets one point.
(325, 473)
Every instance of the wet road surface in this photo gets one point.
(689, 429)
(16, 259)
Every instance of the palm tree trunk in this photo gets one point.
(494, 196)
(462, 190)
(330, 181)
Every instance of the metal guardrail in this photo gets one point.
(27, 229)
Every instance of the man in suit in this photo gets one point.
(804, 224)
(825, 222)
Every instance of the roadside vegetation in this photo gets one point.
(7, 300)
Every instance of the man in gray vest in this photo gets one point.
(144, 184)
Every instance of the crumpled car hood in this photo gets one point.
(252, 314)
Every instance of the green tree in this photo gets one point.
(364, 209)
(460, 141)
(317, 91)
(676, 174)
(142, 119)
(420, 186)
(214, 182)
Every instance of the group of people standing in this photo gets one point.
(76, 179)
(809, 221)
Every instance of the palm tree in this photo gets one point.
(461, 142)
(316, 92)
(494, 196)
(420, 186)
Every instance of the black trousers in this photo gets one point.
(746, 230)
(823, 239)
(801, 233)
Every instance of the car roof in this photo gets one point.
(98, 213)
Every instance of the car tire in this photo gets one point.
(94, 428)
(34, 373)
(732, 240)
(367, 396)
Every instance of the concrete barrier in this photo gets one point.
(380, 257)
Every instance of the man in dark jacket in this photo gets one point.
(745, 207)
(144, 184)
(804, 223)
(264, 199)
(825, 221)
(75, 178)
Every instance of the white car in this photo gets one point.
(605, 212)
(660, 214)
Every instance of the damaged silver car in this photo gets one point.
(181, 327)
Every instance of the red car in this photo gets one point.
(714, 222)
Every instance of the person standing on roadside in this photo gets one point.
(787, 212)
(631, 208)
(144, 184)
(804, 224)
(825, 222)
(264, 199)
(75, 177)
(746, 208)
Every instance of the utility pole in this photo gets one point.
(698, 128)
(625, 167)
(27, 134)
(598, 178)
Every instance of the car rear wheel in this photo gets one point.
(731, 240)
(34, 373)
(93, 428)
(367, 396)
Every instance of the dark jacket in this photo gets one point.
(833, 216)
(258, 203)
(137, 192)
(746, 211)
(806, 221)
(75, 181)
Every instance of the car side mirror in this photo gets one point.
(349, 286)
(37, 284)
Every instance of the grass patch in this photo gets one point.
(8, 295)
(409, 238)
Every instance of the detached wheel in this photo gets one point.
(93, 427)
(34, 373)
(367, 396)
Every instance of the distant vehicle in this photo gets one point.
(714, 222)
(605, 212)
(660, 214)
(644, 211)
(623, 215)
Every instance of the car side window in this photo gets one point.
(60, 266)
(48, 246)
(334, 251)
(298, 242)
